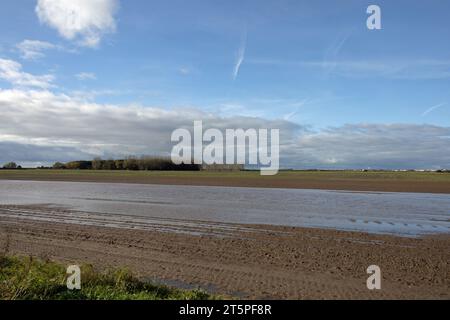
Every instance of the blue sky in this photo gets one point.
(313, 64)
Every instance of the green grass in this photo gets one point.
(26, 278)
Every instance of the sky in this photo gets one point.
(109, 78)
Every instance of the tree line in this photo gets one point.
(11, 165)
(131, 163)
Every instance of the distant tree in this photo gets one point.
(141, 163)
(59, 165)
(83, 165)
(109, 165)
(130, 163)
(97, 163)
(10, 165)
(119, 164)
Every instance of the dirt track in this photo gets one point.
(238, 260)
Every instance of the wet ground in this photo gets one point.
(406, 214)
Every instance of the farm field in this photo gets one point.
(388, 181)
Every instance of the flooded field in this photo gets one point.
(376, 212)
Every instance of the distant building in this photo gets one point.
(222, 167)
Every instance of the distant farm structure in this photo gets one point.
(223, 167)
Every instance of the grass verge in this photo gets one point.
(27, 278)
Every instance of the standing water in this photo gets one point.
(377, 212)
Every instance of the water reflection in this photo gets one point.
(398, 213)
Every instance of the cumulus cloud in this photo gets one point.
(34, 49)
(86, 76)
(390, 146)
(81, 129)
(11, 71)
(85, 21)
(48, 119)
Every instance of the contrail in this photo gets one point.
(240, 56)
(329, 61)
(433, 108)
(300, 104)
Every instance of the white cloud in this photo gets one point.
(33, 49)
(11, 71)
(86, 76)
(184, 71)
(363, 145)
(76, 129)
(47, 119)
(85, 21)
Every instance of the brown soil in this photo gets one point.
(247, 261)
(399, 182)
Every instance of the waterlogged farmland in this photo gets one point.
(128, 204)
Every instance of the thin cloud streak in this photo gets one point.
(299, 105)
(331, 54)
(393, 69)
(433, 108)
(240, 56)
(86, 76)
